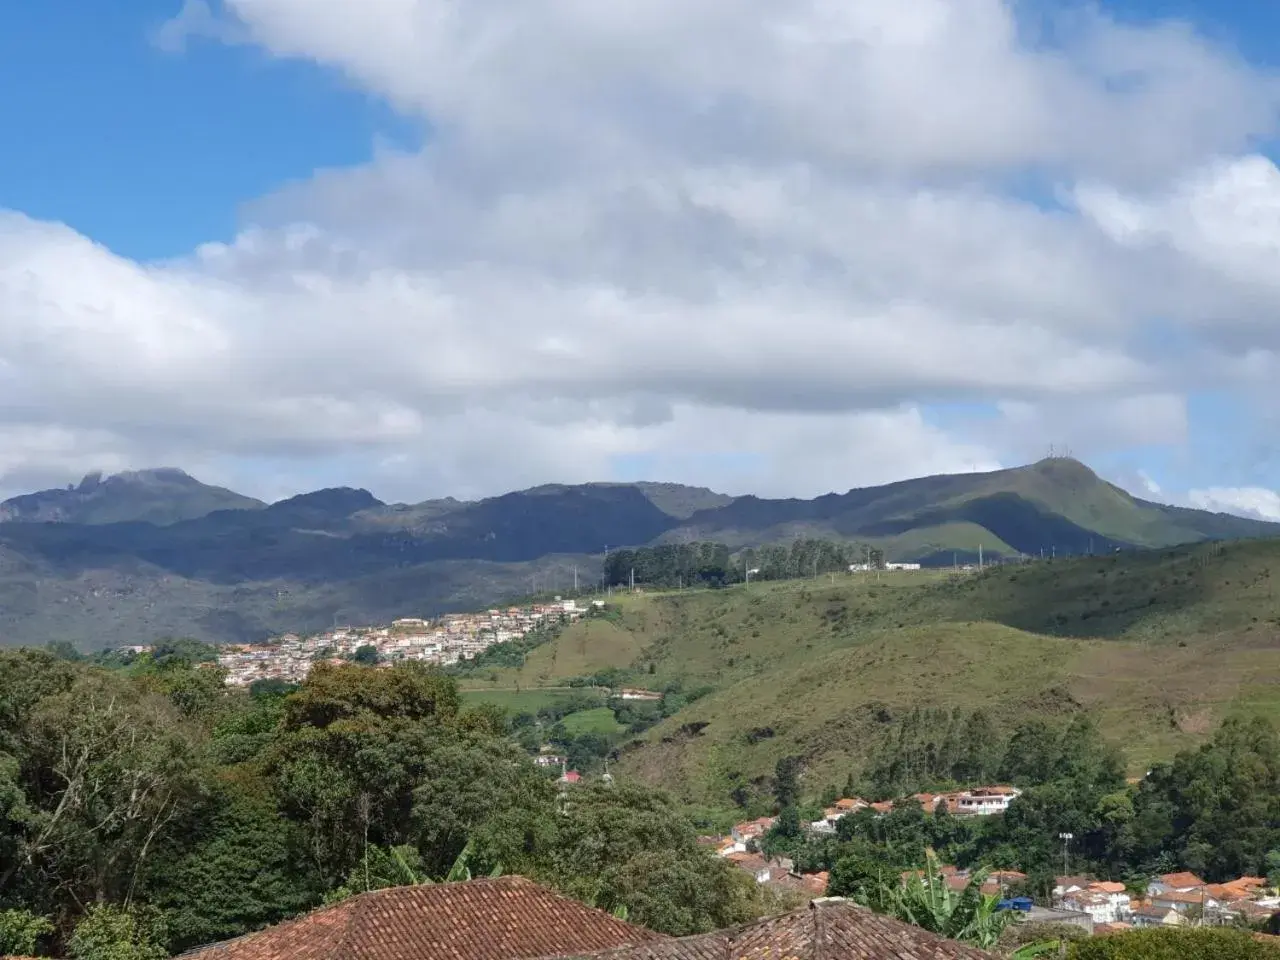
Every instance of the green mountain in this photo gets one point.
(160, 496)
(1056, 506)
(126, 558)
(1159, 645)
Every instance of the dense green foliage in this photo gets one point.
(188, 812)
(1201, 944)
(1212, 810)
(672, 565)
(706, 564)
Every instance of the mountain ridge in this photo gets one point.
(235, 574)
(159, 495)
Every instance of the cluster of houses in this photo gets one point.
(445, 640)
(1170, 900)
(741, 848)
(977, 802)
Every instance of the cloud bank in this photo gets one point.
(769, 248)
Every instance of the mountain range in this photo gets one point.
(131, 557)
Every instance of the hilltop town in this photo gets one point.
(444, 641)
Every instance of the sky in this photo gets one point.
(437, 248)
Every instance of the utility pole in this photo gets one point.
(1066, 839)
(575, 579)
(633, 579)
(979, 558)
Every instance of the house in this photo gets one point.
(850, 805)
(1179, 882)
(729, 845)
(762, 868)
(511, 918)
(984, 801)
(1192, 901)
(628, 693)
(998, 882)
(550, 760)
(508, 918)
(827, 929)
(1105, 902)
(570, 776)
(1074, 918)
(1149, 915)
(1062, 886)
(1242, 888)
(752, 829)
(1239, 911)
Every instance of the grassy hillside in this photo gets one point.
(1055, 504)
(1159, 645)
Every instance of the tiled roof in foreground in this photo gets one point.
(508, 918)
(825, 930)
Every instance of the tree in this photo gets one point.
(110, 932)
(620, 847)
(366, 654)
(109, 767)
(786, 782)
(470, 778)
(408, 691)
(233, 866)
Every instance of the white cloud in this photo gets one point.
(734, 243)
(1257, 502)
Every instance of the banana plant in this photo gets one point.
(928, 901)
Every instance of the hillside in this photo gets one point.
(1159, 645)
(1056, 505)
(117, 559)
(160, 496)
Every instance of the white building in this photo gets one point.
(1105, 902)
(984, 801)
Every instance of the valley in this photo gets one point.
(1158, 646)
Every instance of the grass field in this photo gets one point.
(599, 720)
(1158, 645)
(515, 701)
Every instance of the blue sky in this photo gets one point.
(151, 152)
(510, 299)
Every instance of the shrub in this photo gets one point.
(20, 930)
(1199, 944)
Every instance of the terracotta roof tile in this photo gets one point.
(1183, 879)
(508, 918)
(826, 929)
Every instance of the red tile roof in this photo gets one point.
(1107, 886)
(508, 918)
(826, 929)
(1181, 880)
